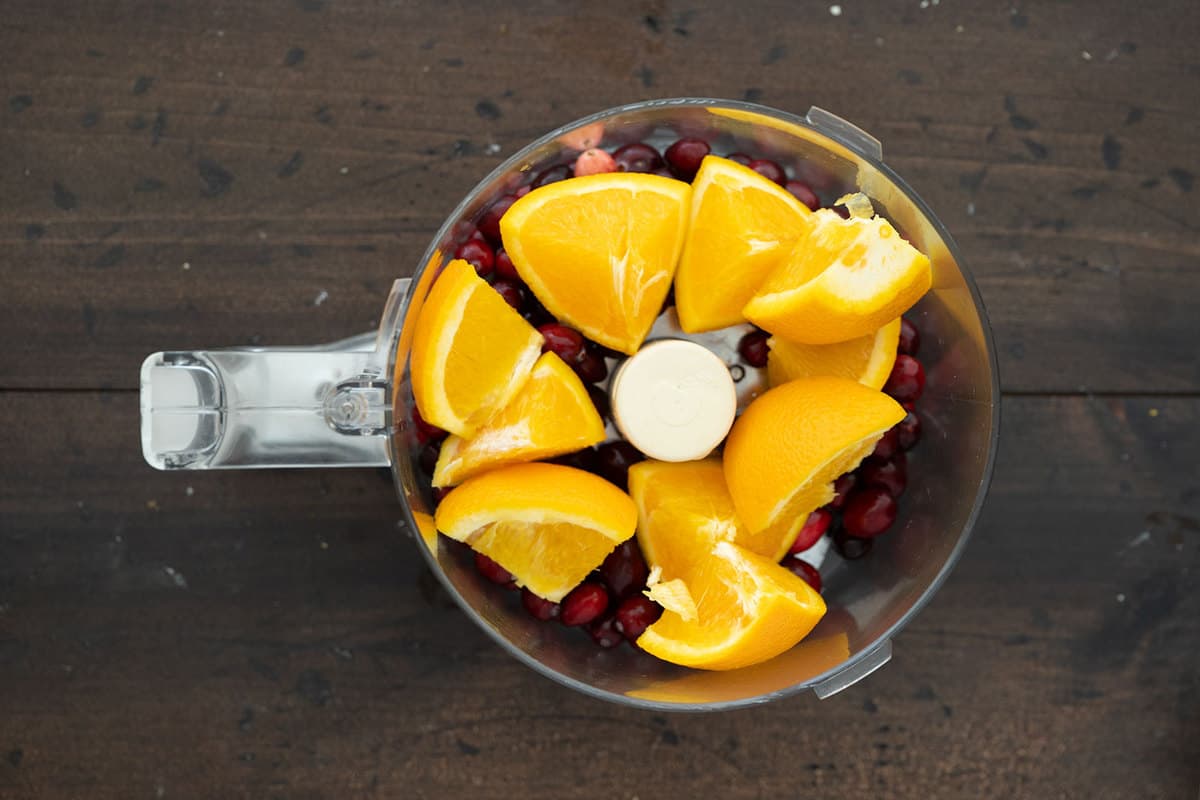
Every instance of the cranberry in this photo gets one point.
(594, 161)
(842, 212)
(504, 266)
(891, 475)
(753, 348)
(685, 156)
(804, 193)
(841, 490)
(637, 157)
(479, 254)
(559, 172)
(440, 492)
(888, 445)
(584, 459)
(907, 380)
(511, 292)
(663, 172)
(910, 338)
(539, 607)
(614, 460)
(740, 158)
(625, 570)
(566, 343)
(635, 615)
(489, 221)
(814, 528)
(590, 367)
(585, 602)
(521, 191)
(491, 570)
(429, 456)
(869, 512)
(804, 571)
(600, 401)
(850, 547)
(908, 430)
(535, 313)
(668, 302)
(425, 431)
(605, 632)
(769, 170)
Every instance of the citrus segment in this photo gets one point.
(867, 359)
(785, 451)
(552, 414)
(471, 351)
(548, 525)
(844, 279)
(599, 251)
(678, 505)
(742, 225)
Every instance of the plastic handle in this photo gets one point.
(846, 133)
(856, 671)
(246, 408)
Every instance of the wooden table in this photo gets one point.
(177, 175)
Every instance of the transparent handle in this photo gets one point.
(246, 408)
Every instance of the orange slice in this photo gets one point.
(547, 524)
(867, 359)
(551, 415)
(846, 278)
(471, 351)
(599, 251)
(742, 225)
(785, 451)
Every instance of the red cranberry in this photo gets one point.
(850, 547)
(605, 632)
(685, 156)
(910, 338)
(888, 445)
(740, 158)
(491, 570)
(479, 254)
(869, 512)
(511, 292)
(538, 607)
(637, 157)
(841, 490)
(594, 161)
(425, 431)
(559, 172)
(566, 343)
(586, 602)
(635, 615)
(614, 460)
(769, 170)
(521, 191)
(504, 267)
(891, 475)
(907, 380)
(625, 570)
(842, 212)
(804, 193)
(489, 221)
(590, 367)
(429, 456)
(908, 430)
(814, 528)
(805, 571)
(535, 313)
(600, 401)
(584, 459)
(753, 348)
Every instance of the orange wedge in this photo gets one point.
(846, 278)
(547, 524)
(691, 490)
(867, 359)
(471, 351)
(785, 451)
(551, 415)
(742, 226)
(600, 251)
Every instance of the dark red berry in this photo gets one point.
(685, 156)
(891, 475)
(814, 528)
(521, 191)
(805, 571)
(908, 430)
(584, 459)
(613, 460)
(910, 338)
(538, 607)
(480, 255)
(753, 348)
(590, 367)
(586, 602)
(637, 157)
(600, 401)
(841, 490)
(564, 342)
(559, 172)
(513, 294)
(440, 492)
(907, 380)
(888, 445)
(605, 633)
(489, 221)
(850, 547)
(429, 456)
(624, 570)
(740, 158)
(636, 614)
(491, 570)
(504, 266)
(535, 313)
(842, 212)
(869, 512)
(769, 170)
(425, 431)
(804, 193)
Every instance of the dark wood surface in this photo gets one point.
(274, 634)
